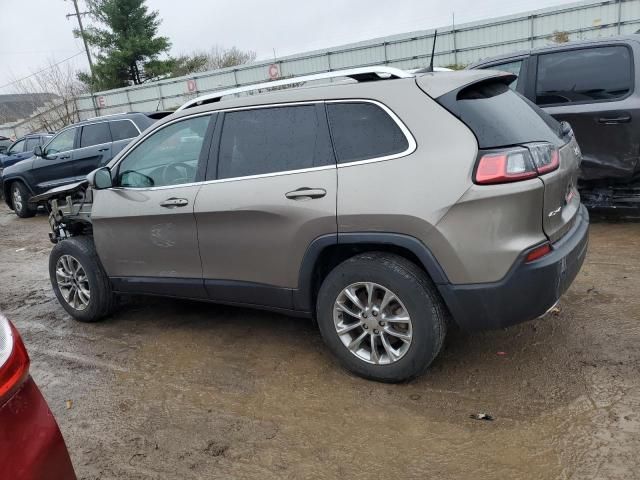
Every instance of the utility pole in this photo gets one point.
(79, 16)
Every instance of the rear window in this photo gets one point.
(585, 75)
(500, 117)
(363, 131)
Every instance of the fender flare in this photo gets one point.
(303, 294)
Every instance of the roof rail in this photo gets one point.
(362, 74)
(109, 115)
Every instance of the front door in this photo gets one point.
(56, 166)
(144, 227)
(588, 88)
(274, 193)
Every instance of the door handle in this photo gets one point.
(306, 193)
(64, 158)
(615, 120)
(103, 150)
(174, 202)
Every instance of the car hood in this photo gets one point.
(62, 191)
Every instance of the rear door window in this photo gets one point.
(95, 134)
(364, 131)
(122, 130)
(269, 140)
(584, 75)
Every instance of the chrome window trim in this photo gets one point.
(411, 141)
(412, 144)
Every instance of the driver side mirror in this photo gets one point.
(100, 179)
(38, 151)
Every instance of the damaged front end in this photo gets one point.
(69, 210)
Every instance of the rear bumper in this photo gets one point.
(529, 289)
(31, 445)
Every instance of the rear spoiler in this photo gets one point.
(436, 85)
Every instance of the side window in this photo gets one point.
(269, 140)
(123, 129)
(511, 67)
(61, 143)
(17, 147)
(32, 143)
(363, 131)
(95, 134)
(168, 156)
(585, 75)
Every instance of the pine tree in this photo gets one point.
(125, 37)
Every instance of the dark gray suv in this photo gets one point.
(595, 86)
(69, 156)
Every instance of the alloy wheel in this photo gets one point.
(17, 199)
(73, 282)
(373, 323)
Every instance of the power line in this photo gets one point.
(40, 71)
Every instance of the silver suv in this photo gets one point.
(386, 207)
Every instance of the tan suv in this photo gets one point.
(383, 207)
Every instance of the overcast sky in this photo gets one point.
(35, 32)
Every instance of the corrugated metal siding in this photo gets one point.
(466, 44)
(472, 42)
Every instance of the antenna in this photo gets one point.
(433, 50)
(433, 54)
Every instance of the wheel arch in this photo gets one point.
(326, 252)
(6, 188)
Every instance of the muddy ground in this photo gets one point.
(171, 389)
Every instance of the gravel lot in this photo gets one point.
(170, 389)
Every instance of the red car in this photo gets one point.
(31, 445)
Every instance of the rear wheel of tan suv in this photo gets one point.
(381, 316)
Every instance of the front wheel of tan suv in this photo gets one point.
(79, 281)
(381, 316)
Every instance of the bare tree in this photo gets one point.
(216, 58)
(53, 94)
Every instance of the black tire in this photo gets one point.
(419, 296)
(101, 299)
(24, 210)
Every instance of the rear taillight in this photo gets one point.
(516, 164)
(14, 360)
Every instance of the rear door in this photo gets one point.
(56, 166)
(94, 149)
(144, 227)
(272, 192)
(590, 88)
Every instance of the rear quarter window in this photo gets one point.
(363, 131)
